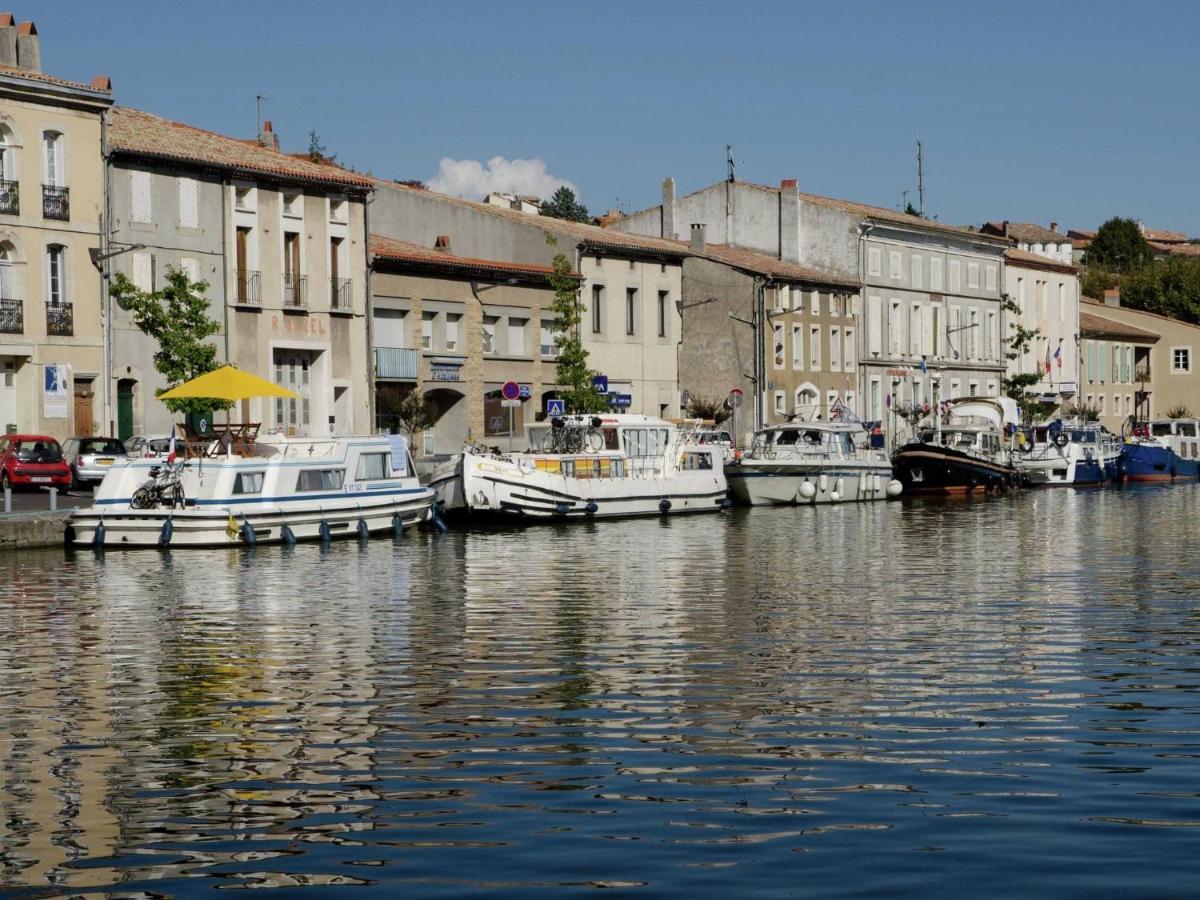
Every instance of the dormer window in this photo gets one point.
(291, 205)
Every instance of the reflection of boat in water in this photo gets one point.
(281, 489)
(1065, 455)
(811, 462)
(1163, 450)
(610, 465)
(966, 453)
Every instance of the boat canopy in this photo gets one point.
(999, 411)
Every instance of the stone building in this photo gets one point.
(280, 240)
(1046, 291)
(51, 208)
(454, 329)
(1033, 238)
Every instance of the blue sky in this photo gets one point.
(1068, 112)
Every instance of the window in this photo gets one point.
(320, 479)
(1104, 360)
(777, 337)
(372, 466)
(992, 351)
(935, 274)
(1181, 360)
(991, 389)
(140, 206)
(248, 483)
(835, 349)
(597, 308)
(955, 388)
(452, 331)
(1091, 362)
(837, 305)
(292, 206)
(489, 334)
(1116, 364)
(990, 278)
(1101, 400)
(337, 209)
(1128, 367)
(896, 330)
(663, 299)
(189, 203)
(781, 298)
(8, 155)
(1062, 302)
(56, 275)
(874, 261)
(814, 348)
(427, 330)
(546, 340)
(914, 330)
(955, 276)
(243, 198)
(516, 336)
(52, 143)
(917, 270)
(797, 346)
(848, 350)
(973, 388)
(973, 275)
(816, 303)
(797, 301)
(143, 271)
(936, 329)
(874, 326)
(630, 310)
(973, 335)
(1039, 291)
(895, 270)
(926, 345)
(779, 401)
(874, 406)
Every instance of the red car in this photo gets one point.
(33, 460)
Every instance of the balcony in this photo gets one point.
(12, 316)
(10, 198)
(397, 363)
(294, 292)
(56, 202)
(60, 319)
(340, 299)
(247, 288)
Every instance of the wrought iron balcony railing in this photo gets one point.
(294, 292)
(339, 294)
(10, 198)
(60, 319)
(12, 316)
(247, 288)
(56, 202)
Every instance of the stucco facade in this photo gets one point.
(51, 203)
(1046, 291)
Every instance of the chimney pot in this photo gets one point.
(668, 210)
(1112, 297)
(1054, 227)
(8, 41)
(29, 53)
(7, 20)
(788, 184)
(699, 242)
(442, 243)
(102, 83)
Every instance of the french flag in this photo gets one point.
(1058, 354)
(171, 447)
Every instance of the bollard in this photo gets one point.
(7, 499)
(53, 499)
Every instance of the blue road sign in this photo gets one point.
(622, 401)
(556, 407)
(600, 383)
(526, 393)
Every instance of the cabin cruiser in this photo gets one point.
(965, 451)
(597, 466)
(1057, 454)
(809, 463)
(1163, 450)
(275, 489)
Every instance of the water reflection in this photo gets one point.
(771, 698)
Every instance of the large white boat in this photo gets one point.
(1059, 455)
(809, 463)
(278, 489)
(595, 467)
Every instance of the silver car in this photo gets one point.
(90, 458)
(152, 446)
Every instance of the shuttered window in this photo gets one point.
(143, 275)
(189, 204)
(140, 185)
(874, 326)
(927, 330)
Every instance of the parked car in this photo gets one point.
(151, 445)
(90, 458)
(32, 460)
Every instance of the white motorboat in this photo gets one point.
(279, 489)
(809, 463)
(1060, 455)
(597, 467)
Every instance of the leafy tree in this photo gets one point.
(1082, 411)
(410, 412)
(1120, 247)
(177, 319)
(572, 375)
(564, 205)
(1170, 288)
(1017, 385)
(910, 210)
(1096, 280)
(706, 408)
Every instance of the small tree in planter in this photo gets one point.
(705, 408)
(1082, 411)
(1179, 411)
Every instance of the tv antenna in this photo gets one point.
(258, 102)
(920, 178)
(729, 164)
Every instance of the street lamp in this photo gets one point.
(100, 261)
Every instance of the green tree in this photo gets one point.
(572, 375)
(1170, 288)
(564, 205)
(1096, 280)
(1120, 247)
(176, 318)
(1018, 384)
(910, 210)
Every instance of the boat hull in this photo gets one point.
(1147, 462)
(755, 483)
(1067, 469)
(930, 469)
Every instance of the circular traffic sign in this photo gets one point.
(511, 391)
(735, 397)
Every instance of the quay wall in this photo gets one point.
(37, 529)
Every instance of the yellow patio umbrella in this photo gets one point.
(227, 383)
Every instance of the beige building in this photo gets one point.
(281, 239)
(1046, 291)
(455, 329)
(51, 205)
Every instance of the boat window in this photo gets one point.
(616, 468)
(812, 437)
(372, 466)
(611, 441)
(567, 467)
(320, 480)
(1187, 429)
(787, 437)
(696, 459)
(248, 483)
(1158, 429)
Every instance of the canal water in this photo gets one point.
(905, 698)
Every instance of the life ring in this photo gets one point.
(1062, 439)
(1026, 446)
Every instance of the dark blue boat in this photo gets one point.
(1163, 451)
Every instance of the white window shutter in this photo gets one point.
(874, 325)
(189, 214)
(927, 331)
(140, 186)
(141, 271)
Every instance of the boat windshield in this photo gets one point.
(1160, 429)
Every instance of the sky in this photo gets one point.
(1071, 112)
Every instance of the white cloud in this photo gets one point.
(472, 179)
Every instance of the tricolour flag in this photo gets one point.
(1049, 356)
(1058, 354)
(171, 447)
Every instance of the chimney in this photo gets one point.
(8, 40)
(102, 83)
(1054, 227)
(269, 138)
(29, 53)
(1004, 228)
(442, 243)
(1112, 297)
(699, 241)
(668, 210)
(789, 221)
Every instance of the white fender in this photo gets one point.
(839, 490)
(823, 483)
(894, 488)
(876, 485)
(808, 490)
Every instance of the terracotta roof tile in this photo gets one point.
(1025, 232)
(138, 133)
(1170, 237)
(48, 79)
(1175, 249)
(403, 251)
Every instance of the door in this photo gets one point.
(125, 408)
(335, 251)
(243, 276)
(84, 395)
(293, 370)
(8, 394)
(292, 295)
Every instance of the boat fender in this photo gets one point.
(894, 488)
(877, 485)
(397, 526)
(363, 531)
(664, 505)
(440, 525)
(808, 490)
(248, 536)
(591, 508)
(561, 509)
(823, 483)
(168, 529)
(836, 496)
(287, 537)
(323, 530)
(839, 488)
(98, 536)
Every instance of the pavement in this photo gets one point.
(38, 500)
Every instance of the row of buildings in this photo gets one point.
(356, 291)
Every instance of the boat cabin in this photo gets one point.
(808, 439)
(1181, 435)
(974, 440)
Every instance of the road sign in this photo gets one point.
(526, 392)
(510, 402)
(600, 383)
(510, 391)
(837, 410)
(735, 398)
(621, 401)
(556, 407)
